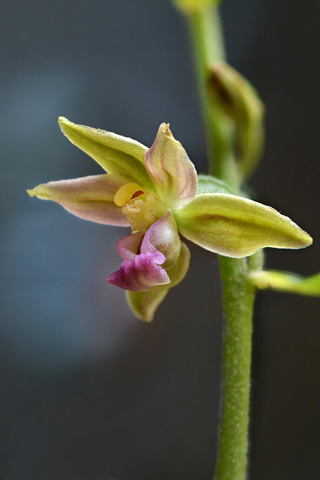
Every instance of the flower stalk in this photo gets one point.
(238, 299)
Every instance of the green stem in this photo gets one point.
(207, 44)
(238, 297)
(238, 294)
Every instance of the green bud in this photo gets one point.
(238, 99)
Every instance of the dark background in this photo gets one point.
(88, 392)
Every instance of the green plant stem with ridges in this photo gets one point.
(238, 294)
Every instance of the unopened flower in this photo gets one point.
(157, 192)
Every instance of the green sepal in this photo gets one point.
(210, 184)
(238, 99)
(286, 282)
(114, 153)
(144, 304)
(237, 227)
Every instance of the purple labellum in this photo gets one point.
(141, 268)
(141, 274)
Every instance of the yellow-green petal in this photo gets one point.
(114, 153)
(144, 304)
(237, 227)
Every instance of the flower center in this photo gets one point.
(141, 206)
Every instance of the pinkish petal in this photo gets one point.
(128, 247)
(90, 198)
(163, 237)
(141, 274)
(171, 170)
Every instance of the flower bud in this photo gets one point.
(235, 96)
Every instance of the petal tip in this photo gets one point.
(308, 240)
(146, 317)
(164, 129)
(62, 120)
(167, 130)
(36, 192)
(64, 123)
(301, 237)
(144, 305)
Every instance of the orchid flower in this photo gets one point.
(158, 193)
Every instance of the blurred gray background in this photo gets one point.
(87, 391)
